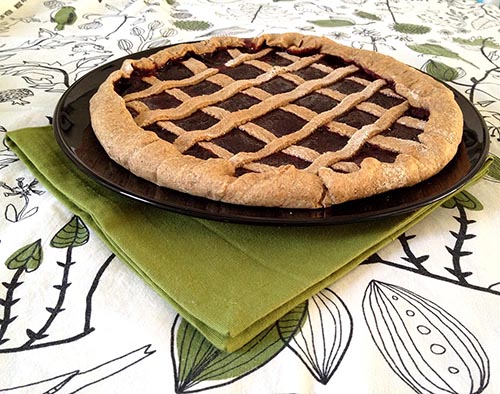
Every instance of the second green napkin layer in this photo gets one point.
(231, 281)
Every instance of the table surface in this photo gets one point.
(418, 316)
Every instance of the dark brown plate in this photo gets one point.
(76, 138)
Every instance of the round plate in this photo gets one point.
(76, 138)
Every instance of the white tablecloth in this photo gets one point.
(419, 316)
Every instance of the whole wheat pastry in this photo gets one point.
(281, 120)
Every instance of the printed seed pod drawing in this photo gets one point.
(323, 339)
(425, 346)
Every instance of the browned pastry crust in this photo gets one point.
(329, 176)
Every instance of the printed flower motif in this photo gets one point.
(23, 191)
(339, 36)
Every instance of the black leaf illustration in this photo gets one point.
(199, 365)
(323, 339)
(28, 257)
(73, 234)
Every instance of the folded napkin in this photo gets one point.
(230, 281)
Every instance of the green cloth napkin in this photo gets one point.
(230, 281)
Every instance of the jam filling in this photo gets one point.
(243, 71)
(201, 153)
(310, 73)
(370, 150)
(316, 102)
(162, 133)
(133, 84)
(173, 70)
(205, 87)
(280, 158)
(161, 101)
(357, 118)
(347, 87)
(237, 140)
(237, 102)
(419, 113)
(215, 59)
(403, 132)
(384, 100)
(274, 59)
(277, 85)
(279, 122)
(196, 121)
(323, 140)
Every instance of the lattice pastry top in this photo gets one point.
(280, 120)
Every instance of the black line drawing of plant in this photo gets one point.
(306, 331)
(74, 381)
(493, 174)
(375, 39)
(431, 49)
(492, 120)
(51, 77)
(406, 28)
(147, 38)
(73, 235)
(418, 262)
(7, 157)
(55, 76)
(481, 23)
(427, 347)
(15, 96)
(492, 57)
(488, 49)
(322, 341)
(46, 40)
(199, 365)
(27, 259)
(24, 191)
(462, 202)
(97, 21)
(24, 260)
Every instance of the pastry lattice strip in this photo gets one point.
(285, 143)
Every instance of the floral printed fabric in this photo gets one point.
(416, 317)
